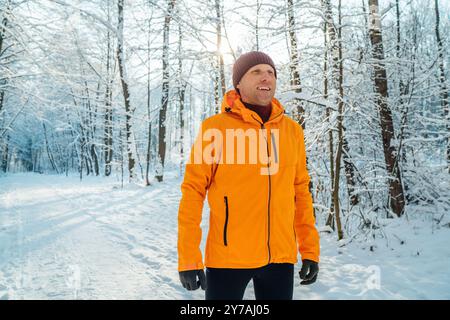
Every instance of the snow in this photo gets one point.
(65, 239)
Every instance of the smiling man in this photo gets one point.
(255, 83)
(259, 220)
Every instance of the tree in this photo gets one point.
(219, 84)
(442, 82)
(108, 116)
(165, 93)
(337, 97)
(294, 64)
(3, 140)
(125, 88)
(396, 194)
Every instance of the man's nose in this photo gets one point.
(265, 77)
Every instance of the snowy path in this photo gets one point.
(65, 239)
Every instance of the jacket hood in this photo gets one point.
(232, 103)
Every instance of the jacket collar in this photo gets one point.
(232, 103)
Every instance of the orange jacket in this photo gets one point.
(255, 218)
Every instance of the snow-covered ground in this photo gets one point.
(65, 239)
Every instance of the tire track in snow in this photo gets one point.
(59, 243)
(148, 233)
(131, 219)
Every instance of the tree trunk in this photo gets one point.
(219, 84)
(108, 134)
(5, 153)
(121, 149)
(149, 118)
(58, 151)
(401, 86)
(182, 91)
(2, 98)
(125, 89)
(149, 144)
(397, 13)
(349, 171)
(330, 219)
(3, 25)
(397, 199)
(108, 125)
(85, 148)
(443, 87)
(91, 120)
(165, 93)
(85, 132)
(258, 8)
(338, 99)
(49, 152)
(294, 65)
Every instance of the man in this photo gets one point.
(261, 210)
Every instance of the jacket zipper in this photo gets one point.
(275, 153)
(225, 242)
(270, 192)
(270, 189)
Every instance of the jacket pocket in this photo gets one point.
(225, 227)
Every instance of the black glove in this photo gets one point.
(189, 279)
(313, 268)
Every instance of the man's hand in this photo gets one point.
(189, 279)
(311, 276)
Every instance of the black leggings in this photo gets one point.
(274, 281)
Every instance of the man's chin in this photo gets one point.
(265, 101)
(264, 96)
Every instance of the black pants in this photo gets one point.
(274, 281)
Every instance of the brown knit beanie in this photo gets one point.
(248, 60)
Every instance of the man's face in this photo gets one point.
(258, 85)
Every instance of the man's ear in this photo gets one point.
(238, 86)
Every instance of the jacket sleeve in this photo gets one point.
(197, 179)
(304, 221)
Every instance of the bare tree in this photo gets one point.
(125, 89)
(348, 165)
(330, 220)
(149, 117)
(108, 117)
(5, 153)
(258, 10)
(397, 198)
(3, 141)
(294, 64)
(165, 92)
(337, 98)
(181, 90)
(219, 84)
(443, 85)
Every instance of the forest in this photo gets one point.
(118, 88)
